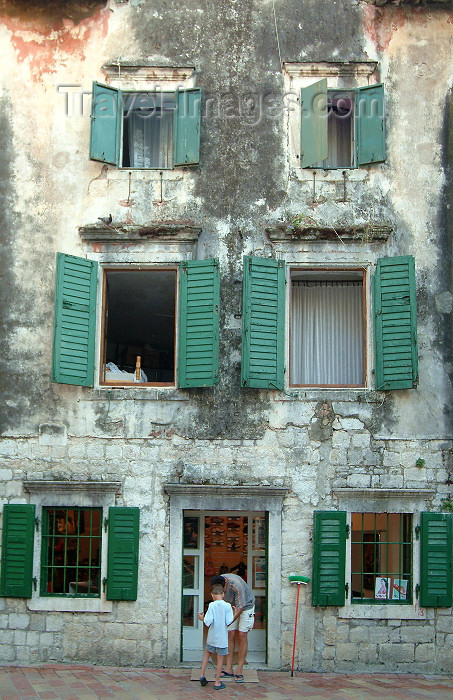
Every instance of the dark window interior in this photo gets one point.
(140, 323)
(340, 130)
(148, 129)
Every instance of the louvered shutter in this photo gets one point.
(187, 127)
(370, 124)
(75, 321)
(106, 123)
(199, 300)
(17, 550)
(436, 560)
(122, 558)
(263, 323)
(395, 323)
(313, 118)
(329, 557)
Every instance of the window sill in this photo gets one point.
(120, 393)
(385, 612)
(334, 175)
(360, 395)
(90, 605)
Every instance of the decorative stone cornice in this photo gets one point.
(91, 487)
(330, 69)
(139, 72)
(224, 490)
(162, 232)
(365, 233)
(415, 494)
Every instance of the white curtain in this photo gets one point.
(326, 333)
(150, 139)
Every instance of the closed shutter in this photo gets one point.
(198, 361)
(395, 323)
(313, 118)
(329, 556)
(75, 321)
(106, 122)
(187, 127)
(17, 550)
(263, 323)
(370, 124)
(122, 560)
(436, 560)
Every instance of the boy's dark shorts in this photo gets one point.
(221, 651)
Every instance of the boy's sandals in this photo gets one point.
(239, 678)
(225, 674)
(220, 687)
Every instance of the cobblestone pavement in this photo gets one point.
(73, 682)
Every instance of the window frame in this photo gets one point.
(366, 317)
(352, 77)
(101, 351)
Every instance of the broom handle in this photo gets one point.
(295, 628)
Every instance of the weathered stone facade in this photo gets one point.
(349, 449)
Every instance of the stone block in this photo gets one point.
(425, 652)
(20, 637)
(7, 652)
(392, 481)
(379, 635)
(18, 621)
(340, 438)
(46, 639)
(351, 424)
(396, 653)
(54, 623)
(6, 637)
(6, 474)
(328, 652)
(37, 622)
(359, 481)
(368, 653)
(23, 654)
(360, 440)
(346, 651)
(422, 633)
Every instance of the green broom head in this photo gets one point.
(294, 578)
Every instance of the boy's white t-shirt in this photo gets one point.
(218, 616)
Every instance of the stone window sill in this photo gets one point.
(385, 612)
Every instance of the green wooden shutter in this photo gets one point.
(106, 122)
(313, 123)
(370, 124)
(187, 127)
(263, 323)
(75, 321)
(395, 323)
(436, 560)
(17, 550)
(329, 557)
(199, 301)
(122, 559)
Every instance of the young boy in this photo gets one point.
(219, 615)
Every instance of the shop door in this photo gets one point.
(215, 543)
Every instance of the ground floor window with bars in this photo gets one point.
(71, 552)
(381, 557)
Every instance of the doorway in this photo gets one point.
(216, 542)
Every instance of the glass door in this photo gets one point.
(216, 543)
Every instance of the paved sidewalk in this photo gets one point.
(73, 682)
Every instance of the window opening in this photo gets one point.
(148, 129)
(327, 328)
(139, 327)
(71, 552)
(340, 130)
(381, 557)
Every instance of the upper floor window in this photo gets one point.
(341, 121)
(156, 126)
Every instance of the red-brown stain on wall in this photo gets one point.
(46, 43)
(381, 23)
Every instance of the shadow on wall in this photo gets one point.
(75, 10)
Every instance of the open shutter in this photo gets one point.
(106, 118)
(199, 301)
(17, 550)
(436, 560)
(395, 323)
(75, 321)
(263, 323)
(313, 123)
(122, 560)
(187, 127)
(369, 124)
(329, 556)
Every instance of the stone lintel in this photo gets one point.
(330, 69)
(224, 490)
(162, 232)
(366, 233)
(384, 493)
(145, 73)
(48, 486)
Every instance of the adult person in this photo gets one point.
(240, 595)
